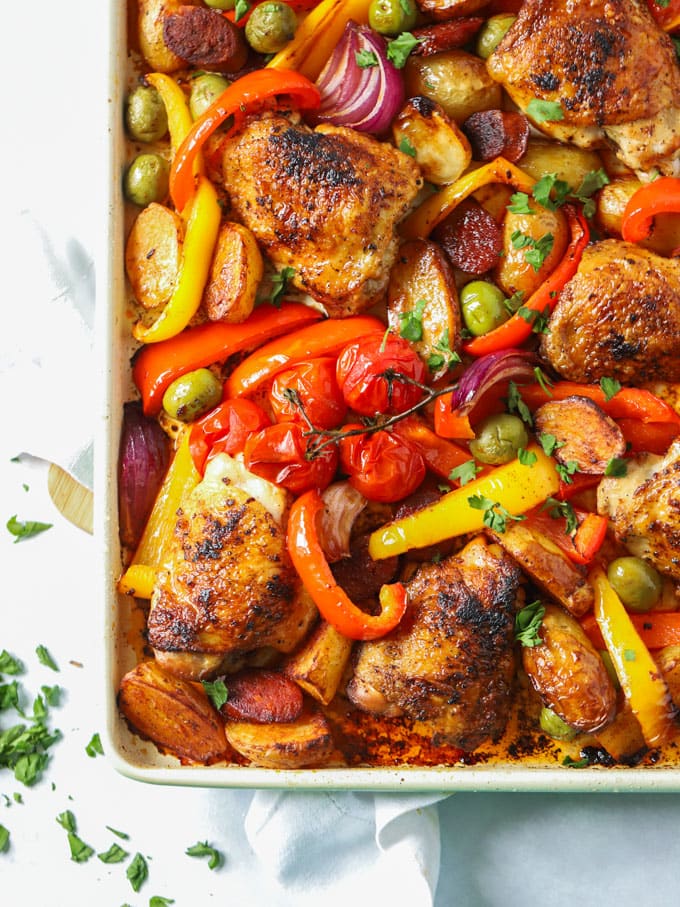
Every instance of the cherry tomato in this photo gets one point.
(363, 369)
(230, 423)
(317, 389)
(281, 454)
(382, 465)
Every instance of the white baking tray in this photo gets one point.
(140, 760)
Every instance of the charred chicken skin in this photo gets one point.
(610, 69)
(228, 588)
(450, 662)
(324, 202)
(619, 316)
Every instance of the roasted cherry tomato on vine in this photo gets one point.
(230, 424)
(375, 374)
(316, 387)
(281, 454)
(381, 465)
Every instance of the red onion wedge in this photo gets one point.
(142, 464)
(367, 98)
(504, 365)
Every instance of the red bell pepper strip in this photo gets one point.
(580, 481)
(581, 546)
(628, 403)
(657, 629)
(157, 365)
(651, 437)
(333, 603)
(326, 338)
(659, 197)
(243, 96)
(516, 330)
(441, 456)
(589, 536)
(666, 13)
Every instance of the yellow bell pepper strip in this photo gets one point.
(640, 678)
(181, 477)
(514, 487)
(434, 209)
(659, 197)
(243, 96)
(332, 601)
(517, 329)
(203, 224)
(316, 37)
(180, 120)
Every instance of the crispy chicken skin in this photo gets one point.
(608, 64)
(619, 316)
(228, 587)
(644, 508)
(450, 662)
(324, 202)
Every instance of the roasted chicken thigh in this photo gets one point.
(324, 202)
(611, 71)
(450, 662)
(619, 316)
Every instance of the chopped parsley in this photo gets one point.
(137, 872)
(157, 901)
(566, 470)
(495, 515)
(542, 111)
(465, 473)
(399, 48)
(591, 182)
(444, 356)
(550, 192)
(411, 322)
(549, 443)
(526, 457)
(216, 692)
(527, 624)
(537, 320)
(203, 849)
(610, 387)
(94, 747)
(124, 836)
(115, 854)
(629, 654)
(365, 59)
(519, 204)
(562, 510)
(9, 664)
(513, 302)
(584, 762)
(616, 467)
(4, 839)
(406, 147)
(45, 658)
(25, 529)
(279, 283)
(543, 380)
(240, 9)
(515, 404)
(80, 851)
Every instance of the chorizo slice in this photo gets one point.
(205, 39)
(586, 435)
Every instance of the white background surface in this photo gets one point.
(497, 850)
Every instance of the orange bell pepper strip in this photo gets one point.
(242, 97)
(628, 403)
(662, 196)
(513, 486)
(657, 629)
(332, 601)
(517, 329)
(448, 423)
(650, 437)
(441, 456)
(640, 678)
(156, 366)
(203, 223)
(179, 480)
(326, 338)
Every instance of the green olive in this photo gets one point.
(391, 17)
(498, 438)
(220, 4)
(191, 395)
(492, 33)
(145, 117)
(482, 307)
(554, 726)
(270, 27)
(636, 583)
(204, 89)
(147, 179)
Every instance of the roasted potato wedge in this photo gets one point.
(153, 253)
(586, 434)
(515, 271)
(548, 567)
(611, 203)
(303, 743)
(456, 80)
(319, 665)
(441, 149)
(175, 714)
(235, 274)
(623, 737)
(150, 24)
(568, 162)
(422, 273)
(668, 660)
(568, 673)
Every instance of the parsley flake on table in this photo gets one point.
(45, 658)
(119, 834)
(80, 851)
(216, 691)
(411, 322)
(25, 529)
(399, 48)
(9, 664)
(137, 872)
(543, 111)
(94, 747)
(157, 901)
(115, 854)
(495, 515)
(203, 849)
(465, 473)
(4, 839)
(527, 624)
(610, 387)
